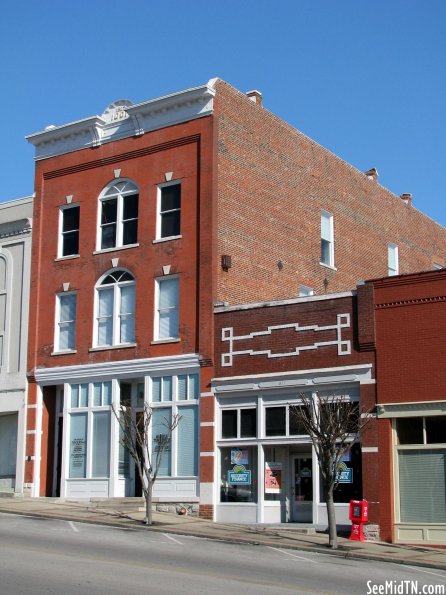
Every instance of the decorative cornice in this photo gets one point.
(16, 232)
(411, 302)
(122, 119)
(386, 410)
(122, 369)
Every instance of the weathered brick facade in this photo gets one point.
(273, 183)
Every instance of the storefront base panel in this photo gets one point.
(427, 534)
(275, 513)
(236, 513)
(87, 489)
(342, 519)
(175, 489)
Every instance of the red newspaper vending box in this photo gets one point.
(359, 515)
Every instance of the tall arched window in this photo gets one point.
(115, 309)
(3, 296)
(118, 215)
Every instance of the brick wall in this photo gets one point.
(273, 183)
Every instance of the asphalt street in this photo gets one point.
(40, 556)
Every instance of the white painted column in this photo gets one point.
(38, 442)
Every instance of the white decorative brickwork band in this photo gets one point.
(344, 347)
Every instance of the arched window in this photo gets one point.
(115, 309)
(3, 296)
(118, 215)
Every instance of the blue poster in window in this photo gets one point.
(239, 475)
(239, 457)
(344, 474)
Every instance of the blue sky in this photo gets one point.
(366, 79)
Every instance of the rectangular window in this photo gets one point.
(161, 419)
(66, 322)
(392, 260)
(420, 503)
(188, 441)
(275, 421)
(327, 239)
(305, 291)
(69, 231)
(78, 445)
(166, 325)
(169, 210)
(239, 423)
(101, 444)
(238, 481)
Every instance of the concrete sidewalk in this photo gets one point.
(130, 516)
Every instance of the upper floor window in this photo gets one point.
(66, 322)
(169, 210)
(3, 296)
(118, 215)
(327, 239)
(166, 315)
(392, 260)
(115, 309)
(69, 231)
(305, 291)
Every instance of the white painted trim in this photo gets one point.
(299, 300)
(142, 117)
(38, 443)
(207, 454)
(121, 369)
(414, 409)
(204, 395)
(158, 208)
(207, 424)
(368, 449)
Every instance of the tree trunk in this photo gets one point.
(331, 515)
(148, 497)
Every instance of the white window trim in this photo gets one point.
(60, 241)
(392, 249)
(239, 409)
(330, 217)
(7, 293)
(158, 211)
(57, 322)
(158, 282)
(116, 311)
(119, 215)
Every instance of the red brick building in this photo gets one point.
(267, 356)
(409, 314)
(144, 218)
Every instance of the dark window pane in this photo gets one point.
(70, 219)
(275, 421)
(296, 426)
(131, 207)
(229, 424)
(435, 429)
(109, 210)
(108, 236)
(248, 421)
(325, 251)
(170, 224)
(410, 430)
(70, 243)
(130, 232)
(171, 197)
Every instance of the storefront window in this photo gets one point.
(239, 474)
(229, 423)
(78, 445)
(101, 444)
(421, 502)
(350, 486)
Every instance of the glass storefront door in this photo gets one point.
(302, 488)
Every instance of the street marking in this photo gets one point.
(172, 538)
(288, 553)
(425, 571)
(72, 525)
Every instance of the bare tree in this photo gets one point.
(333, 423)
(147, 453)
